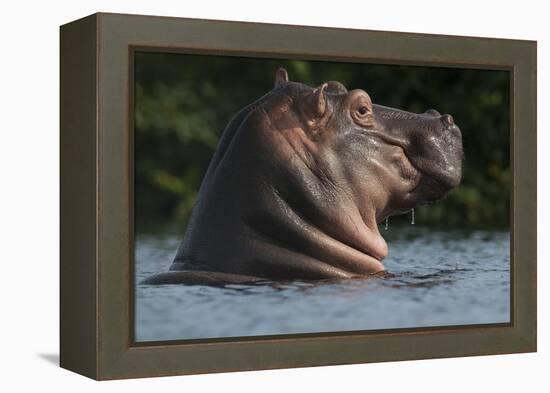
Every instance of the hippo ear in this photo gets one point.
(281, 76)
(315, 103)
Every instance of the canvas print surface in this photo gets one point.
(278, 196)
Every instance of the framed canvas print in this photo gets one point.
(240, 196)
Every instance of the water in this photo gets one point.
(441, 278)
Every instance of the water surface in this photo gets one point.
(440, 278)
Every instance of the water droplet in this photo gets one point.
(412, 217)
(386, 226)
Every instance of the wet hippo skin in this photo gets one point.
(300, 180)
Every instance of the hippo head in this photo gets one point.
(386, 159)
(302, 177)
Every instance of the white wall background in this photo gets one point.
(29, 193)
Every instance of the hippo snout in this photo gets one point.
(441, 157)
(432, 142)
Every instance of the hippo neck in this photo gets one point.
(274, 236)
(336, 240)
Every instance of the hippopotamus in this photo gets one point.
(301, 178)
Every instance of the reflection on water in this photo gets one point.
(439, 278)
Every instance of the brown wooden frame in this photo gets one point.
(97, 196)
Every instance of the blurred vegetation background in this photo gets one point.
(183, 103)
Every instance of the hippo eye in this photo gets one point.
(363, 110)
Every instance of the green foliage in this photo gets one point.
(183, 102)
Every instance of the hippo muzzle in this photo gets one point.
(431, 142)
(302, 177)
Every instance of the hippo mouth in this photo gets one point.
(407, 167)
(427, 185)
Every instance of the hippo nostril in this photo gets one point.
(448, 120)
